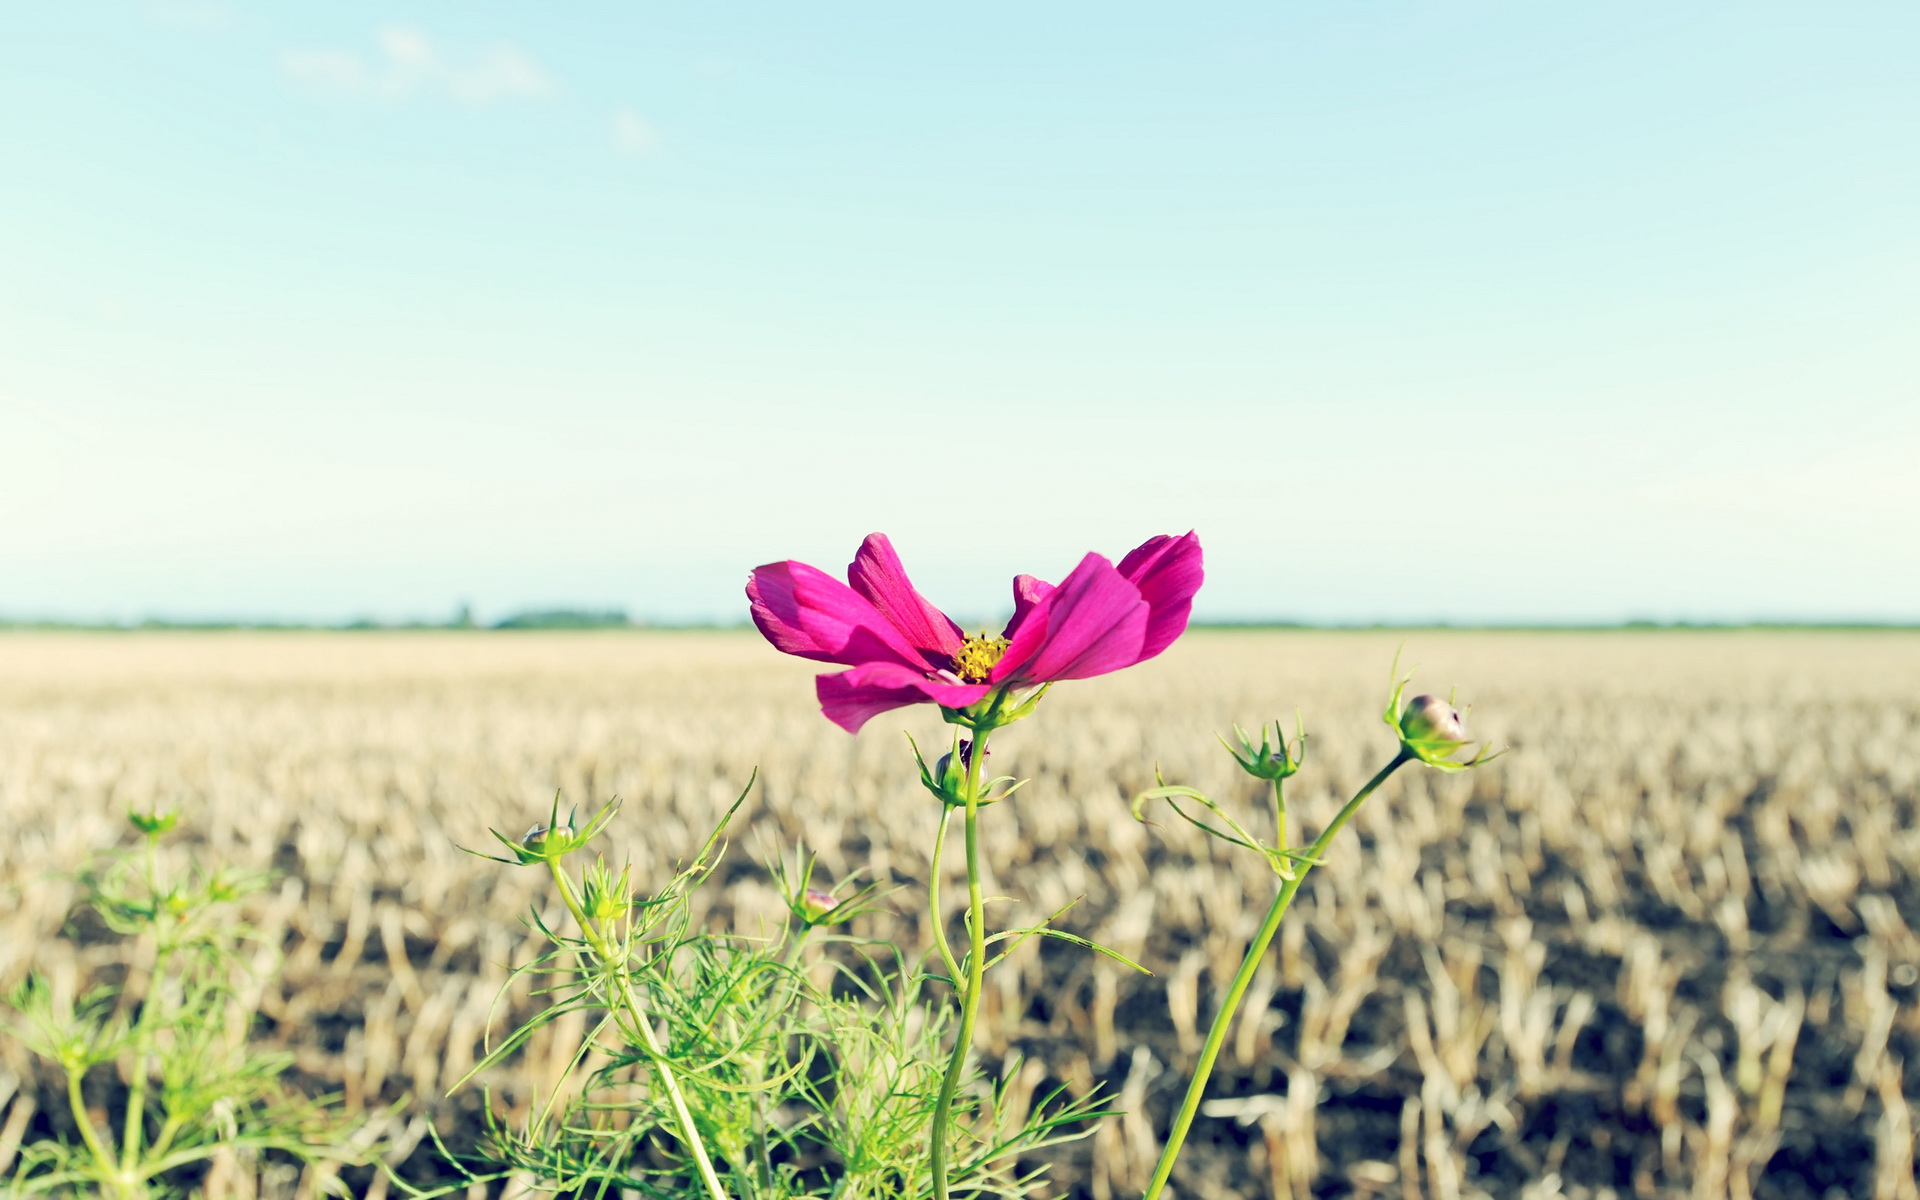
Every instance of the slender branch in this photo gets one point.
(642, 1030)
(934, 914)
(162, 1142)
(783, 993)
(136, 1118)
(1223, 1020)
(101, 1153)
(1280, 812)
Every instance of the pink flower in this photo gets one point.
(903, 650)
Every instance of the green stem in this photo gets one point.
(136, 1120)
(938, 918)
(976, 958)
(162, 1142)
(101, 1154)
(1223, 1020)
(642, 1031)
(762, 1151)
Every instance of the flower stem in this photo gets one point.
(937, 918)
(976, 962)
(1223, 1020)
(136, 1117)
(642, 1031)
(134, 1128)
(78, 1103)
(762, 1149)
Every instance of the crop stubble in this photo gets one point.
(1664, 947)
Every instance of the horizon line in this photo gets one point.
(569, 621)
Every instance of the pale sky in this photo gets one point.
(1467, 311)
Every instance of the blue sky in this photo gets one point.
(1469, 311)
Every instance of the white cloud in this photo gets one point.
(406, 62)
(632, 133)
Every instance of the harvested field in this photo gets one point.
(1666, 947)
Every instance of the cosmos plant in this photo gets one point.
(899, 649)
(902, 650)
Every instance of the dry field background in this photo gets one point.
(1665, 947)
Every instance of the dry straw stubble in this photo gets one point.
(1666, 947)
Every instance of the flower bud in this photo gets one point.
(1431, 730)
(153, 824)
(946, 768)
(1430, 719)
(554, 840)
(540, 837)
(816, 904)
(1269, 760)
(947, 778)
(605, 896)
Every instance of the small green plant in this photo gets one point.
(1429, 731)
(803, 1063)
(160, 1078)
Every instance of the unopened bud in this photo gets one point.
(1431, 730)
(152, 824)
(1269, 760)
(815, 904)
(603, 895)
(549, 842)
(1429, 719)
(944, 768)
(536, 838)
(952, 777)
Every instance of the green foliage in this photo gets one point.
(803, 1063)
(160, 1078)
(567, 618)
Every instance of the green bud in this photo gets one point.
(947, 778)
(1431, 730)
(816, 906)
(554, 840)
(153, 824)
(1273, 759)
(541, 839)
(1432, 720)
(605, 896)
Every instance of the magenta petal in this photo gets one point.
(1028, 594)
(803, 610)
(1096, 622)
(876, 573)
(852, 698)
(1167, 571)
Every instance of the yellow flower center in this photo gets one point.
(977, 656)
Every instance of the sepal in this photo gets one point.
(1274, 758)
(552, 841)
(946, 779)
(815, 906)
(605, 896)
(153, 824)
